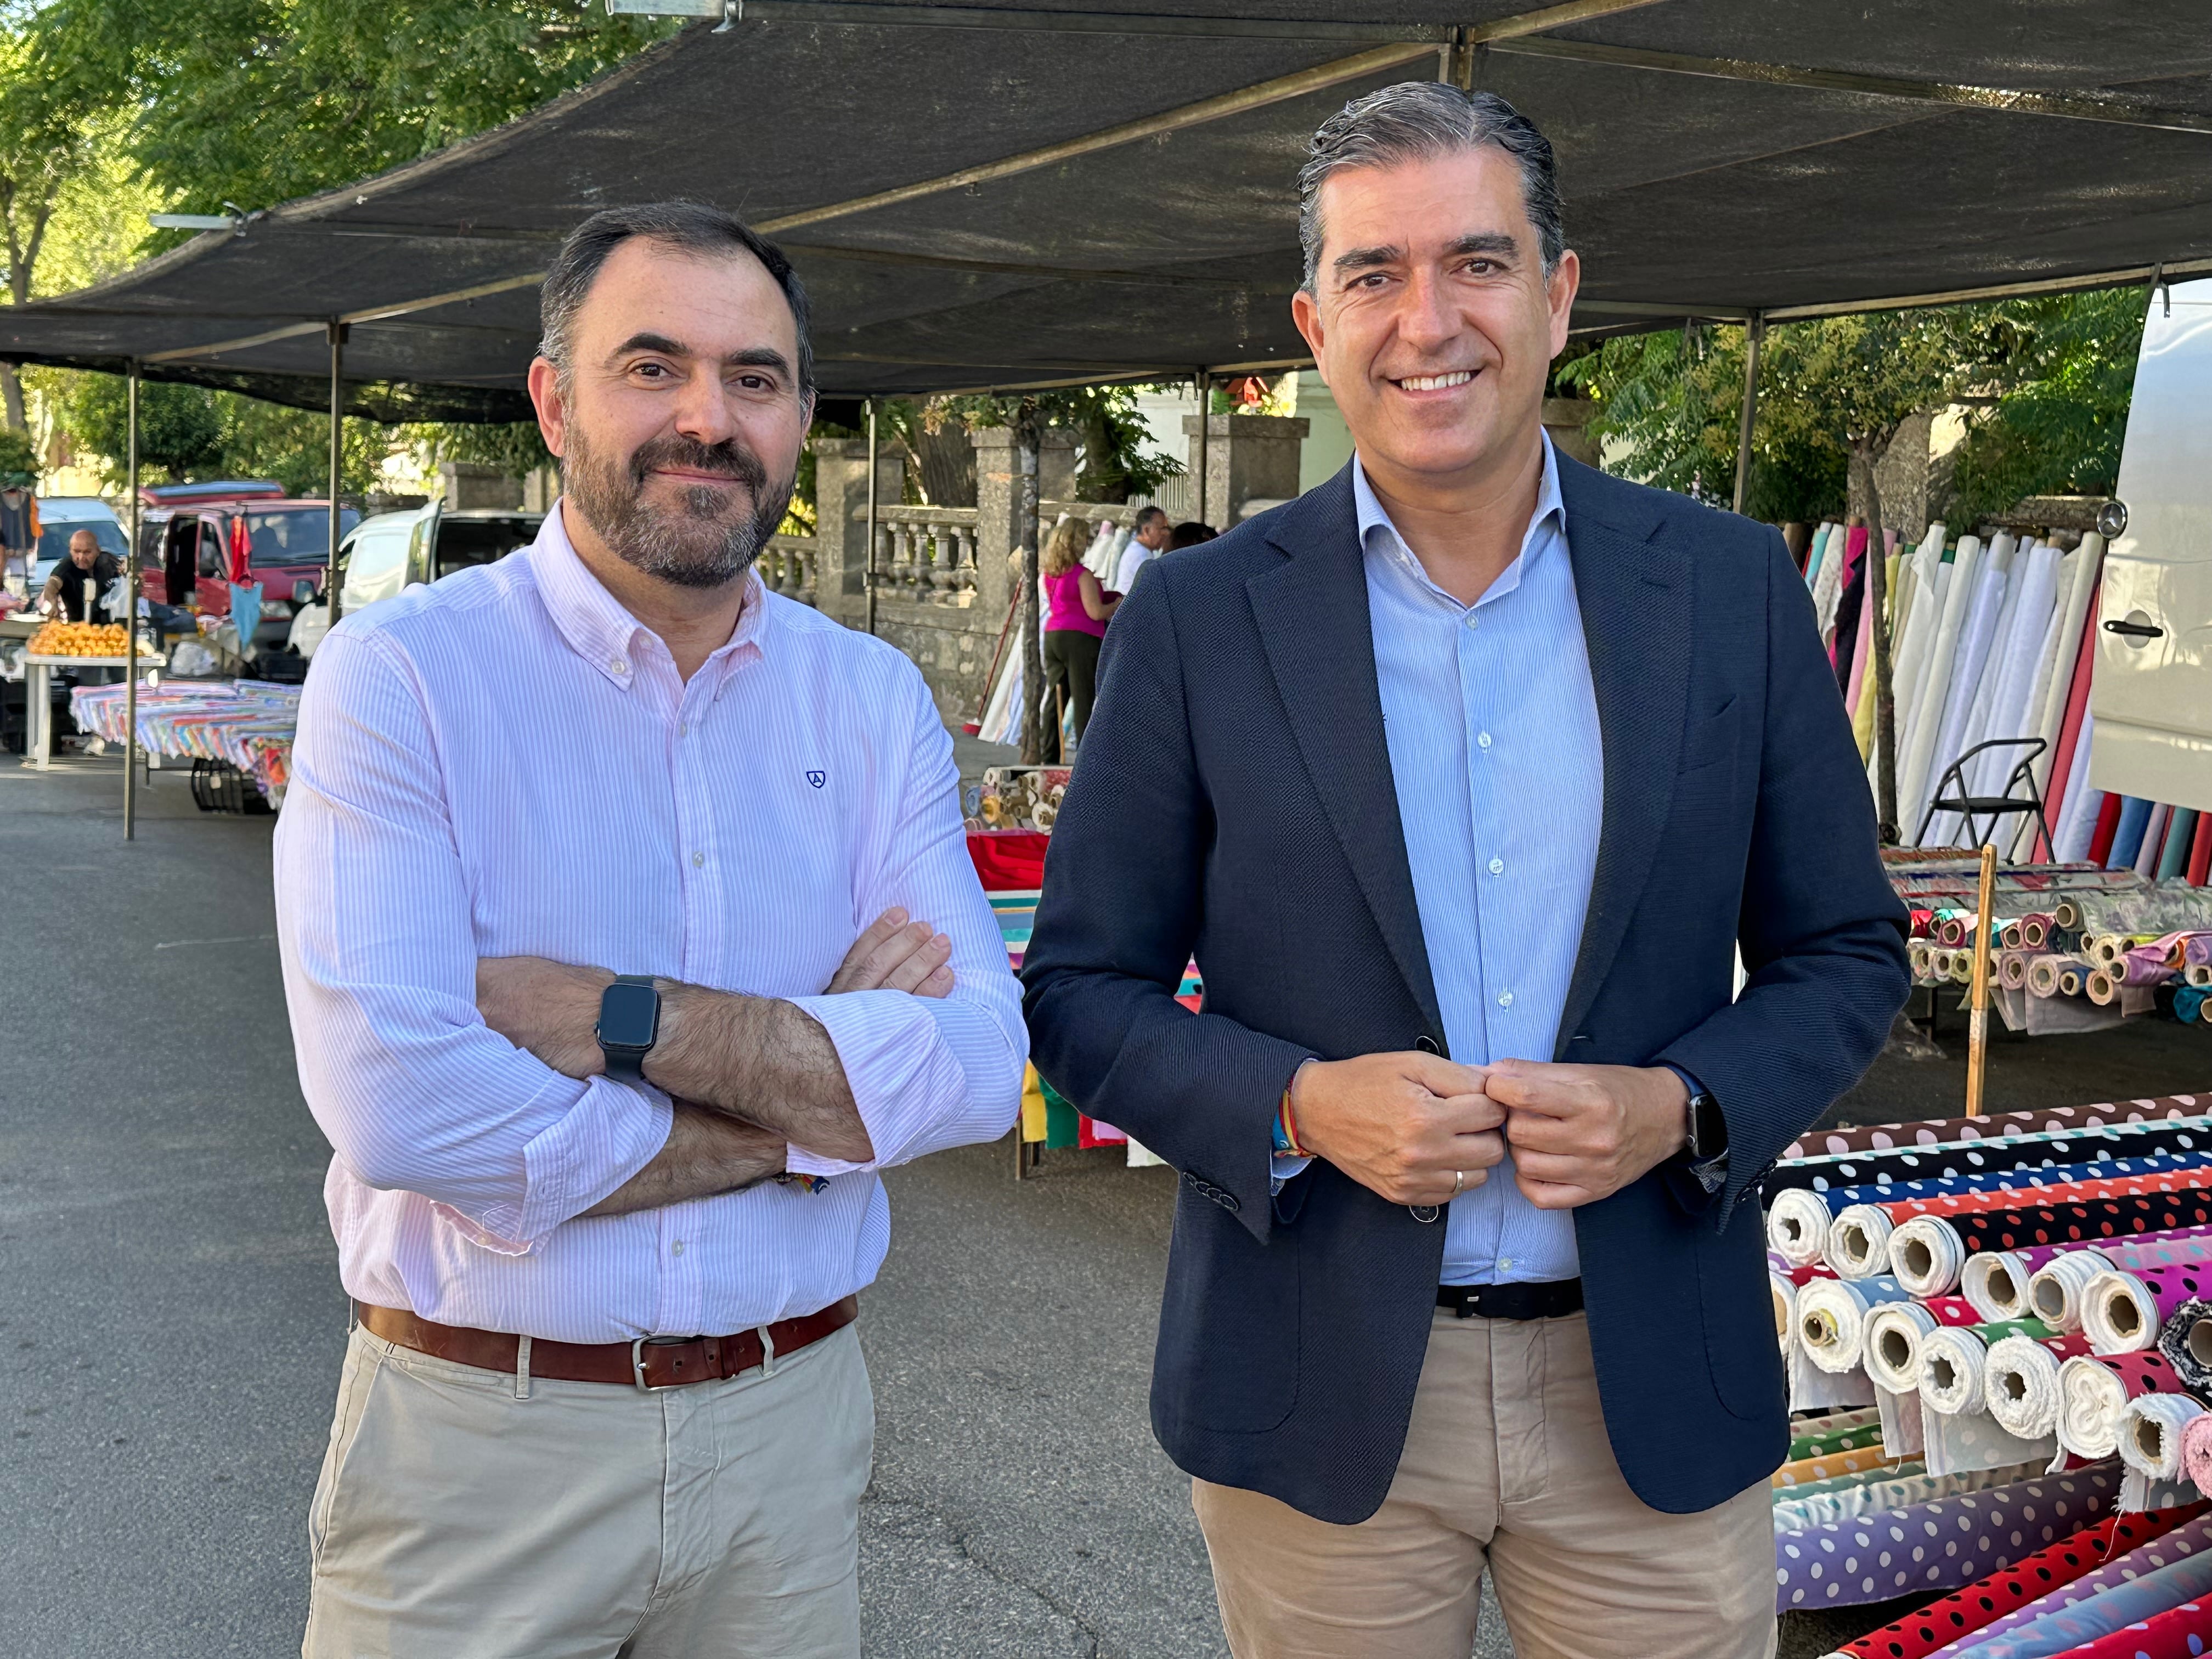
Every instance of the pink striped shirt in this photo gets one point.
(507, 764)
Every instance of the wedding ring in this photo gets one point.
(1458, 1181)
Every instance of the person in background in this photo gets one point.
(19, 527)
(1146, 543)
(1076, 607)
(1189, 535)
(87, 567)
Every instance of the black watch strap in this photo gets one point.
(625, 1060)
(1708, 1127)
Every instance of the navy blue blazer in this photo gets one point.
(1234, 799)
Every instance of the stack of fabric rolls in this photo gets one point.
(1998, 1333)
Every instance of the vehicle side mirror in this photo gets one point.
(303, 592)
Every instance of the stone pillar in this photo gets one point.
(1567, 419)
(1248, 457)
(840, 511)
(1056, 464)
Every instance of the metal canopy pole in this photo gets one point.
(1203, 383)
(1754, 334)
(131, 625)
(872, 516)
(337, 337)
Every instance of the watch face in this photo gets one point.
(629, 1016)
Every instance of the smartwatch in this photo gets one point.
(629, 1023)
(1708, 1128)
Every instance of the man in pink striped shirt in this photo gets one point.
(627, 932)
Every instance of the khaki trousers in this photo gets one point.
(462, 1512)
(1506, 1466)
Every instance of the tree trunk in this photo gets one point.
(947, 462)
(1864, 458)
(11, 391)
(1026, 519)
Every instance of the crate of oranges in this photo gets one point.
(71, 639)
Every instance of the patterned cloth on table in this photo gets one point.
(2166, 1172)
(2077, 1223)
(1867, 1499)
(2186, 1538)
(2094, 1388)
(2182, 1632)
(2123, 1310)
(1939, 1545)
(2037, 1149)
(2117, 1606)
(2179, 1341)
(1838, 1432)
(1828, 1466)
(1952, 1131)
(1981, 1604)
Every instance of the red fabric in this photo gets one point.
(240, 552)
(2032, 1578)
(2070, 730)
(2108, 826)
(2179, 1632)
(2148, 1372)
(2200, 851)
(1008, 860)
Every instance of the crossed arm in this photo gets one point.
(750, 1076)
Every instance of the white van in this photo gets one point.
(61, 517)
(2152, 691)
(385, 556)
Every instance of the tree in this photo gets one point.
(179, 428)
(44, 146)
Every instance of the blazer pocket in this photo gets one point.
(1229, 1338)
(1710, 740)
(1741, 1349)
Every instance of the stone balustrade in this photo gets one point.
(926, 554)
(792, 566)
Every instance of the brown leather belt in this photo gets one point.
(649, 1363)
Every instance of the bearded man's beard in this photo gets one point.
(708, 540)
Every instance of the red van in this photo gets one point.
(196, 539)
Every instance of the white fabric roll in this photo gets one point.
(2011, 676)
(2150, 1433)
(1981, 715)
(1832, 1317)
(2081, 579)
(2090, 1402)
(1913, 764)
(2077, 814)
(1922, 569)
(1783, 1289)
(2055, 1291)
(1966, 666)
(1952, 1361)
(1926, 1255)
(1892, 1348)
(1996, 1282)
(2119, 1313)
(1797, 1226)
(1934, 594)
(1858, 1241)
(1828, 590)
(2019, 1386)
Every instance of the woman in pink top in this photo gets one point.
(1076, 610)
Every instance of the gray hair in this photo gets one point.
(688, 226)
(1418, 121)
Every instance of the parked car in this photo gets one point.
(385, 556)
(195, 540)
(61, 517)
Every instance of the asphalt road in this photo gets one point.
(171, 1323)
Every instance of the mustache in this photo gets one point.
(729, 458)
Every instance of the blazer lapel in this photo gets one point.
(1313, 617)
(1636, 599)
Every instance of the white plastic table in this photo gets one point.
(38, 671)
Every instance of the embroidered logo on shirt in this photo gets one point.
(817, 779)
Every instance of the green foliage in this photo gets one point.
(2054, 372)
(17, 453)
(517, 448)
(2058, 430)
(195, 432)
(260, 101)
(1104, 419)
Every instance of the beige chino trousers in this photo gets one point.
(461, 1512)
(1507, 1468)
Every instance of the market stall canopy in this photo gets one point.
(1001, 197)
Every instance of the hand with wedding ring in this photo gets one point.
(1414, 1128)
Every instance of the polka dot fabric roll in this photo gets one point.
(2033, 1575)
(2036, 1152)
(2185, 1339)
(2182, 1632)
(1939, 1545)
(2085, 1222)
(2178, 1172)
(1954, 1131)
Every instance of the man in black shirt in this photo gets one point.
(86, 564)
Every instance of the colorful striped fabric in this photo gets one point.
(1957, 1130)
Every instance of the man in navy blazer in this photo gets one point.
(1466, 776)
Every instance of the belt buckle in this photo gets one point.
(637, 1348)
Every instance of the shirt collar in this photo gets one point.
(605, 635)
(1377, 535)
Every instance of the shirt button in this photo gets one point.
(676, 1249)
(1498, 866)
(698, 859)
(1482, 740)
(1472, 620)
(619, 666)
(1505, 999)
(1505, 1264)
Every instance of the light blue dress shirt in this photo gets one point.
(1491, 722)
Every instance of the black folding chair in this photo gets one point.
(1990, 807)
